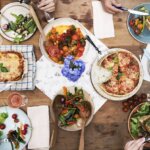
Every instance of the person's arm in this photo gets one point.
(47, 5)
(108, 6)
(135, 144)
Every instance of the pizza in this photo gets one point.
(125, 73)
(11, 66)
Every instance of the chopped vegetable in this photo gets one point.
(139, 120)
(22, 26)
(71, 107)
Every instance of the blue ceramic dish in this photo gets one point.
(144, 37)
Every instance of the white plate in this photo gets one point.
(10, 125)
(16, 8)
(87, 98)
(110, 96)
(58, 22)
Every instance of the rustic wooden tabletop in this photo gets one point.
(108, 129)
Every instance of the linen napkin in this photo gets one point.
(50, 80)
(39, 116)
(146, 63)
(27, 83)
(102, 21)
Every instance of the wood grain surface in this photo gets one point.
(108, 129)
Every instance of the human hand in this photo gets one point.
(108, 6)
(47, 5)
(135, 144)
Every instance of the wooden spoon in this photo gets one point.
(36, 20)
(84, 115)
(56, 112)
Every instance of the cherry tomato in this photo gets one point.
(125, 103)
(2, 126)
(26, 126)
(75, 37)
(16, 120)
(125, 109)
(131, 23)
(24, 132)
(143, 96)
(14, 116)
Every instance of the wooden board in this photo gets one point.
(108, 130)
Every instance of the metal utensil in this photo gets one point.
(132, 11)
(84, 115)
(93, 44)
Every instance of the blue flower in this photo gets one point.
(73, 69)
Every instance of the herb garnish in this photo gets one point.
(2, 68)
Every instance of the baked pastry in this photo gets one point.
(11, 66)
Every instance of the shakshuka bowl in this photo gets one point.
(61, 22)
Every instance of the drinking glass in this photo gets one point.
(17, 100)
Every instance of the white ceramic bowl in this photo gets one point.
(58, 22)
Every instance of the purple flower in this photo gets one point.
(73, 69)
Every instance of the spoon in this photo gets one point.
(85, 114)
(33, 14)
(56, 111)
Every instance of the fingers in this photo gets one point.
(47, 5)
(138, 143)
(108, 6)
(141, 148)
(135, 144)
(116, 3)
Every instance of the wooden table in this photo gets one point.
(108, 130)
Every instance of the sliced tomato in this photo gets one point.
(81, 49)
(53, 51)
(79, 54)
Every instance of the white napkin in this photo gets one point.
(144, 61)
(103, 21)
(50, 80)
(39, 116)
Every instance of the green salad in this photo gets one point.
(140, 121)
(22, 26)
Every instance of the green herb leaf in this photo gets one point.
(119, 75)
(4, 69)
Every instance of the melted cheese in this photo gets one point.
(14, 65)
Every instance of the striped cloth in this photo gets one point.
(27, 83)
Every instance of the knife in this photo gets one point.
(136, 12)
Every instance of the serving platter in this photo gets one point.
(7, 10)
(87, 97)
(10, 125)
(61, 22)
(144, 37)
(101, 91)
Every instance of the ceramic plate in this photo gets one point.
(57, 22)
(144, 37)
(94, 77)
(88, 98)
(10, 125)
(16, 8)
